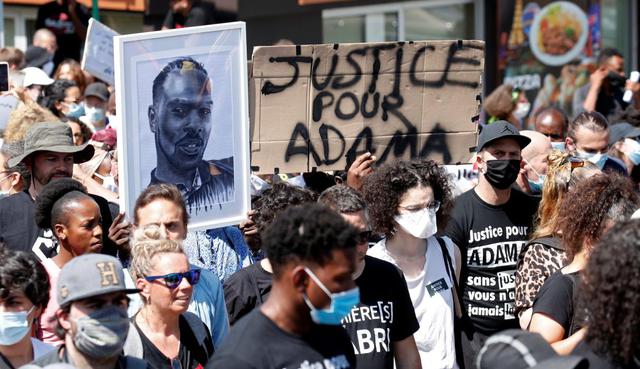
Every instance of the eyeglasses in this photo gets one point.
(364, 237)
(173, 280)
(433, 205)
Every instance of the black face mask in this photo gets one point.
(502, 173)
(616, 80)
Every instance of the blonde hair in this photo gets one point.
(24, 117)
(560, 178)
(149, 242)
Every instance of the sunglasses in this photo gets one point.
(173, 280)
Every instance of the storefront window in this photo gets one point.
(616, 26)
(9, 32)
(344, 29)
(423, 20)
(448, 22)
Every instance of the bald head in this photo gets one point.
(535, 154)
(45, 39)
(552, 123)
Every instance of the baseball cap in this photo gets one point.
(35, 76)
(500, 129)
(98, 90)
(517, 349)
(90, 275)
(622, 130)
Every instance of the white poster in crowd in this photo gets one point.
(183, 104)
(464, 177)
(8, 104)
(97, 58)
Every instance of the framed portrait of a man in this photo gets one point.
(183, 106)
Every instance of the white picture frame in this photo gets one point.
(218, 198)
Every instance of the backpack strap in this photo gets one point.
(200, 331)
(451, 271)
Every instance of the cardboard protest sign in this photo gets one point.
(97, 58)
(320, 106)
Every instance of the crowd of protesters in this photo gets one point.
(376, 266)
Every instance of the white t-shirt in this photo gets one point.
(432, 297)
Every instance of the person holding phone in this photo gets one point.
(605, 91)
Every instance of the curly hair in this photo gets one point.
(589, 205)
(383, 189)
(274, 200)
(55, 93)
(51, 204)
(21, 271)
(560, 178)
(23, 118)
(308, 232)
(610, 292)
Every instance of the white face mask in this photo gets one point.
(107, 182)
(522, 109)
(419, 224)
(598, 159)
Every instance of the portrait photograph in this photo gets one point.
(184, 111)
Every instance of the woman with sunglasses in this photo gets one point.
(544, 253)
(408, 202)
(587, 212)
(164, 333)
(64, 207)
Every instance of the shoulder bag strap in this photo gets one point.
(451, 271)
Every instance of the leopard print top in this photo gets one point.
(535, 265)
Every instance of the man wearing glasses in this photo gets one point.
(163, 205)
(92, 318)
(491, 223)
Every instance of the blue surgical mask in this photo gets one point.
(536, 186)
(340, 307)
(14, 326)
(75, 110)
(631, 148)
(598, 159)
(94, 114)
(560, 146)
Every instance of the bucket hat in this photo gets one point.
(52, 136)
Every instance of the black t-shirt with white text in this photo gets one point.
(490, 239)
(257, 342)
(384, 315)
